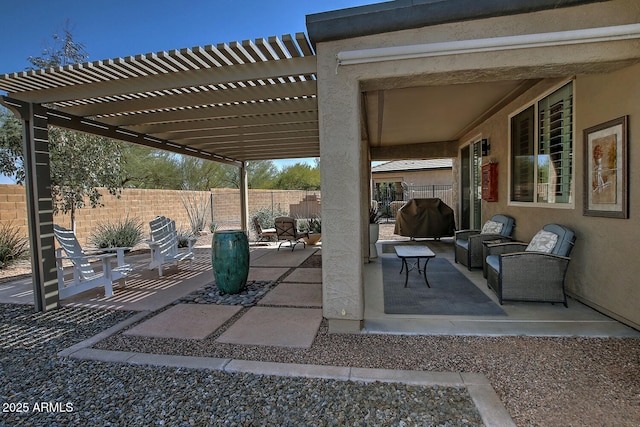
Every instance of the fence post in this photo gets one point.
(211, 206)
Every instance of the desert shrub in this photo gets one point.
(312, 225)
(267, 217)
(183, 237)
(121, 234)
(12, 245)
(386, 211)
(197, 207)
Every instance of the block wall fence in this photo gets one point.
(224, 208)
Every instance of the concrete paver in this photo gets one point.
(489, 405)
(305, 275)
(294, 295)
(275, 326)
(285, 257)
(266, 273)
(186, 321)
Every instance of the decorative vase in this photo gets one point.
(230, 260)
(374, 233)
(312, 239)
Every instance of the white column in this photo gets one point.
(343, 218)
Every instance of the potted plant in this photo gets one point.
(314, 227)
(374, 228)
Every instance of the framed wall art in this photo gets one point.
(606, 169)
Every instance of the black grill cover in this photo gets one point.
(425, 218)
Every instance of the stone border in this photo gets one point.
(491, 409)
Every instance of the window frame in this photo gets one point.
(536, 114)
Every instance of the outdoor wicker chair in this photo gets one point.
(469, 243)
(287, 231)
(533, 272)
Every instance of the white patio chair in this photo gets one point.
(84, 276)
(164, 244)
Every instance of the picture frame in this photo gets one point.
(606, 172)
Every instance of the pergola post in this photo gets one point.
(244, 197)
(39, 201)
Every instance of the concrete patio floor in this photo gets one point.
(145, 292)
(526, 319)
(296, 302)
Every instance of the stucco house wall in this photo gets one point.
(598, 274)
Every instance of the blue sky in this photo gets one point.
(120, 28)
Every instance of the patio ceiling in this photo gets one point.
(429, 114)
(230, 102)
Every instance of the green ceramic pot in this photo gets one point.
(230, 260)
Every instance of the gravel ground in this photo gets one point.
(39, 389)
(541, 381)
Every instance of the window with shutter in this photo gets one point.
(542, 150)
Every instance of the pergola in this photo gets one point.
(229, 103)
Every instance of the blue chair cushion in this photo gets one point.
(508, 223)
(566, 237)
(463, 243)
(493, 261)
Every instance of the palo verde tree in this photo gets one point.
(80, 163)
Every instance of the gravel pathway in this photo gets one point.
(37, 388)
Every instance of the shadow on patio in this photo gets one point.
(300, 288)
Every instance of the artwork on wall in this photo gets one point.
(606, 169)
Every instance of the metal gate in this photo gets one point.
(390, 199)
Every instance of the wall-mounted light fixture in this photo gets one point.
(486, 147)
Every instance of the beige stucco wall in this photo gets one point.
(343, 165)
(608, 276)
(600, 272)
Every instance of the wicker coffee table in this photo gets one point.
(414, 251)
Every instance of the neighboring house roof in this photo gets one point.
(413, 165)
(405, 14)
